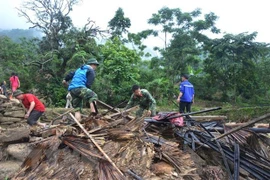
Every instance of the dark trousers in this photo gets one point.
(33, 117)
(183, 106)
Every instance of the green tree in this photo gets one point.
(62, 46)
(118, 72)
(231, 65)
(62, 39)
(262, 70)
(186, 31)
(153, 78)
(14, 58)
(51, 17)
(119, 24)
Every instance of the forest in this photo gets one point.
(232, 69)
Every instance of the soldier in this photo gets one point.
(80, 86)
(144, 99)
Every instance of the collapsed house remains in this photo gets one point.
(114, 145)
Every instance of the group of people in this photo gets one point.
(14, 84)
(33, 106)
(146, 101)
(79, 85)
(80, 90)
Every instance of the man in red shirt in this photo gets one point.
(34, 107)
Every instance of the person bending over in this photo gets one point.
(144, 99)
(34, 107)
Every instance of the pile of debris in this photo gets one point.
(11, 112)
(14, 136)
(116, 145)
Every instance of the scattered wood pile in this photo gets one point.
(14, 136)
(11, 112)
(115, 145)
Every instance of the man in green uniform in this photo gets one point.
(145, 101)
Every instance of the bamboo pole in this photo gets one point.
(68, 111)
(125, 111)
(96, 144)
(243, 126)
(110, 108)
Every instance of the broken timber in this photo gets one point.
(243, 126)
(96, 144)
(143, 152)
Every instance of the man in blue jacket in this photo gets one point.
(186, 95)
(80, 87)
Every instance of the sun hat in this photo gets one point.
(17, 93)
(92, 61)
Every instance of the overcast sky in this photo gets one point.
(235, 16)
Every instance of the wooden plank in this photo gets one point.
(256, 125)
(208, 118)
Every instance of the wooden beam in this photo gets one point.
(208, 118)
(61, 115)
(125, 111)
(108, 106)
(243, 126)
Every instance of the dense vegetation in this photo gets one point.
(231, 69)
